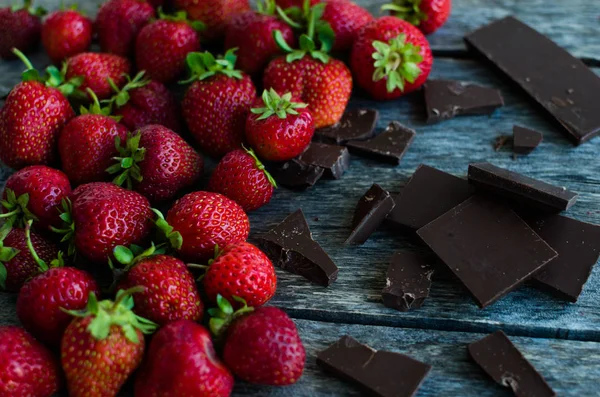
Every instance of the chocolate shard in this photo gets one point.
(408, 281)
(578, 247)
(559, 82)
(356, 124)
(389, 146)
(334, 159)
(505, 364)
(428, 194)
(527, 191)
(295, 174)
(487, 246)
(525, 140)
(445, 99)
(371, 211)
(378, 373)
(291, 247)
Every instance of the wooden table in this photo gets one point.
(561, 339)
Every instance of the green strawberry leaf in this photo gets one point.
(3, 276)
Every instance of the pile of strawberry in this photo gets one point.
(96, 146)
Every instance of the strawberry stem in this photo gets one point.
(397, 61)
(122, 97)
(408, 10)
(203, 65)
(6, 253)
(42, 265)
(280, 106)
(127, 163)
(68, 229)
(174, 238)
(223, 315)
(261, 166)
(18, 213)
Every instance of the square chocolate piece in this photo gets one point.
(356, 124)
(407, 282)
(525, 140)
(295, 174)
(334, 159)
(389, 146)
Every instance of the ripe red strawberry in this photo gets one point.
(205, 220)
(66, 33)
(20, 28)
(170, 291)
(103, 216)
(243, 178)
(158, 163)
(324, 83)
(262, 345)
(163, 45)
(215, 106)
(346, 19)
(427, 15)
(103, 345)
(118, 24)
(32, 116)
(215, 14)
(142, 102)
(252, 34)
(279, 128)
(390, 58)
(27, 367)
(243, 271)
(182, 361)
(44, 188)
(96, 70)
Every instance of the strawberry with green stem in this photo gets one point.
(427, 15)
(96, 69)
(20, 27)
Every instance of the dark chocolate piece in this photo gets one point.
(357, 124)
(446, 99)
(296, 174)
(407, 282)
(561, 83)
(525, 190)
(578, 247)
(291, 247)
(525, 140)
(487, 246)
(505, 364)
(428, 194)
(370, 212)
(334, 159)
(378, 373)
(389, 146)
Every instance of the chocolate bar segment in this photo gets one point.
(378, 373)
(445, 99)
(295, 174)
(334, 159)
(371, 211)
(525, 190)
(559, 82)
(356, 124)
(389, 146)
(525, 140)
(505, 364)
(408, 281)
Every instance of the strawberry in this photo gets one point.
(96, 70)
(142, 102)
(99, 216)
(241, 270)
(35, 192)
(279, 128)
(103, 345)
(17, 265)
(202, 220)
(324, 83)
(170, 291)
(241, 177)
(390, 58)
(295, 3)
(157, 162)
(20, 28)
(118, 23)
(346, 19)
(427, 15)
(87, 144)
(215, 14)
(66, 33)
(162, 46)
(33, 115)
(252, 33)
(262, 345)
(27, 367)
(215, 106)
(182, 361)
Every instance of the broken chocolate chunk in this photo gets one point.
(525, 140)
(291, 247)
(389, 146)
(446, 99)
(408, 281)
(370, 212)
(379, 373)
(295, 174)
(334, 159)
(505, 364)
(357, 124)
